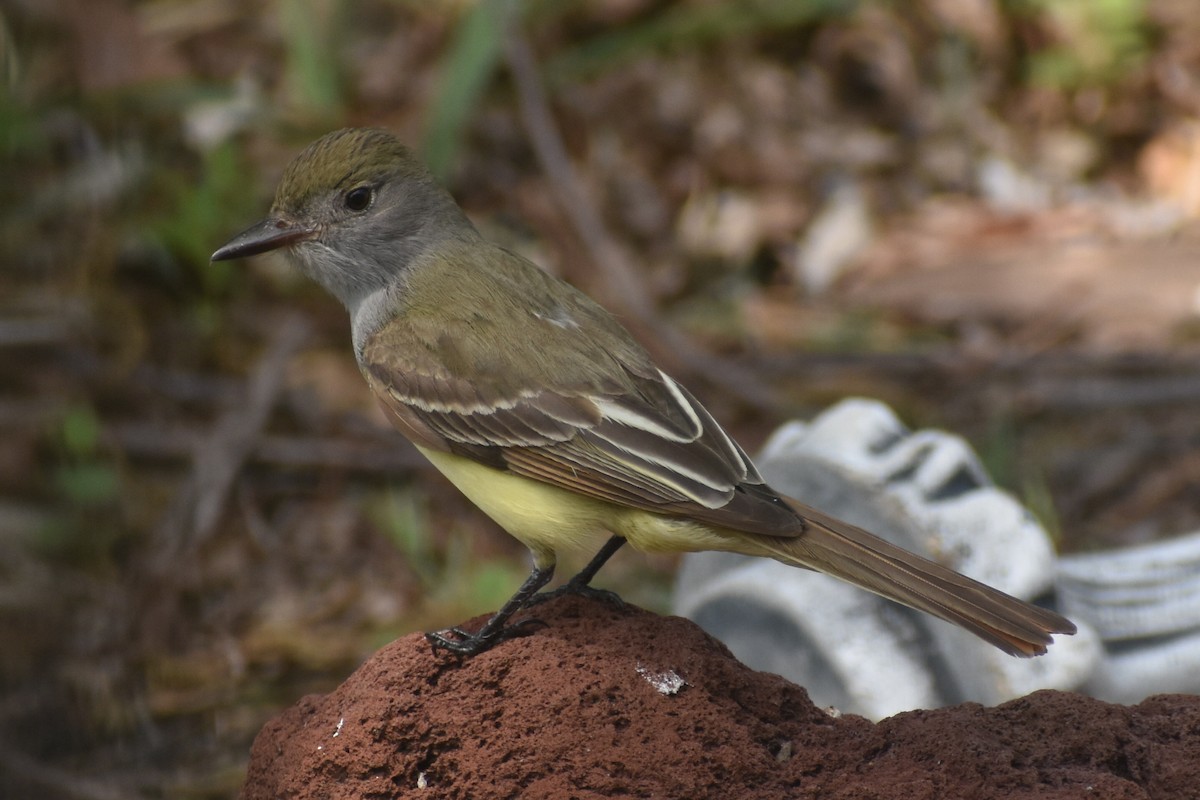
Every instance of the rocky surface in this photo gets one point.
(607, 702)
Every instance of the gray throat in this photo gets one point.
(372, 312)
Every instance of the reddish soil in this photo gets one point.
(570, 712)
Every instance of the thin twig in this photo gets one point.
(197, 505)
(1052, 381)
(387, 452)
(1108, 393)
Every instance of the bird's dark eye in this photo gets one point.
(358, 198)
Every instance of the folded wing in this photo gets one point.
(641, 441)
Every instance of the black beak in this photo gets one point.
(270, 234)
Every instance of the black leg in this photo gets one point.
(463, 643)
(580, 583)
(606, 552)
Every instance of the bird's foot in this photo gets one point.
(579, 589)
(461, 642)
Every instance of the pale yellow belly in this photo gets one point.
(547, 519)
(543, 517)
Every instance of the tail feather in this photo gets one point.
(844, 551)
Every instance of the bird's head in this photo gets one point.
(352, 211)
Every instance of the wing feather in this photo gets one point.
(602, 421)
(662, 452)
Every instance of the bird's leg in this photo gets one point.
(494, 631)
(580, 583)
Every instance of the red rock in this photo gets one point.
(571, 712)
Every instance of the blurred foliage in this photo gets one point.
(82, 476)
(1095, 42)
(313, 31)
(18, 125)
(201, 209)
(86, 485)
(448, 572)
(688, 27)
(471, 60)
(999, 453)
(401, 516)
(136, 137)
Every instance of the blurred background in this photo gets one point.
(982, 212)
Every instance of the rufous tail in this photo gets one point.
(844, 551)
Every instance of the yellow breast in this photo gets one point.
(543, 517)
(547, 519)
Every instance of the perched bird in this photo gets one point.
(545, 412)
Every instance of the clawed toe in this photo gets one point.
(465, 643)
(579, 590)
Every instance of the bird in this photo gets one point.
(541, 408)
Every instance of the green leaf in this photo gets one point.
(88, 484)
(466, 70)
(201, 214)
(80, 432)
(312, 66)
